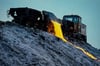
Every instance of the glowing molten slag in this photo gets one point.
(55, 29)
(87, 53)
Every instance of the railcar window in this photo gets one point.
(15, 14)
(69, 19)
(72, 19)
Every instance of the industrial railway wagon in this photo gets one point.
(70, 25)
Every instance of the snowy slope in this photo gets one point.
(23, 46)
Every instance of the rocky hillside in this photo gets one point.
(23, 46)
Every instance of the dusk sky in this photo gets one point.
(89, 10)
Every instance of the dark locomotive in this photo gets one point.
(73, 27)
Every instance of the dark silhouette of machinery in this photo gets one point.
(73, 27)
(70, 25)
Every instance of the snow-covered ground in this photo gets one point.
(23, 46)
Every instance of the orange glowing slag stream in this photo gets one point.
(85, 52)
(55, 28)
